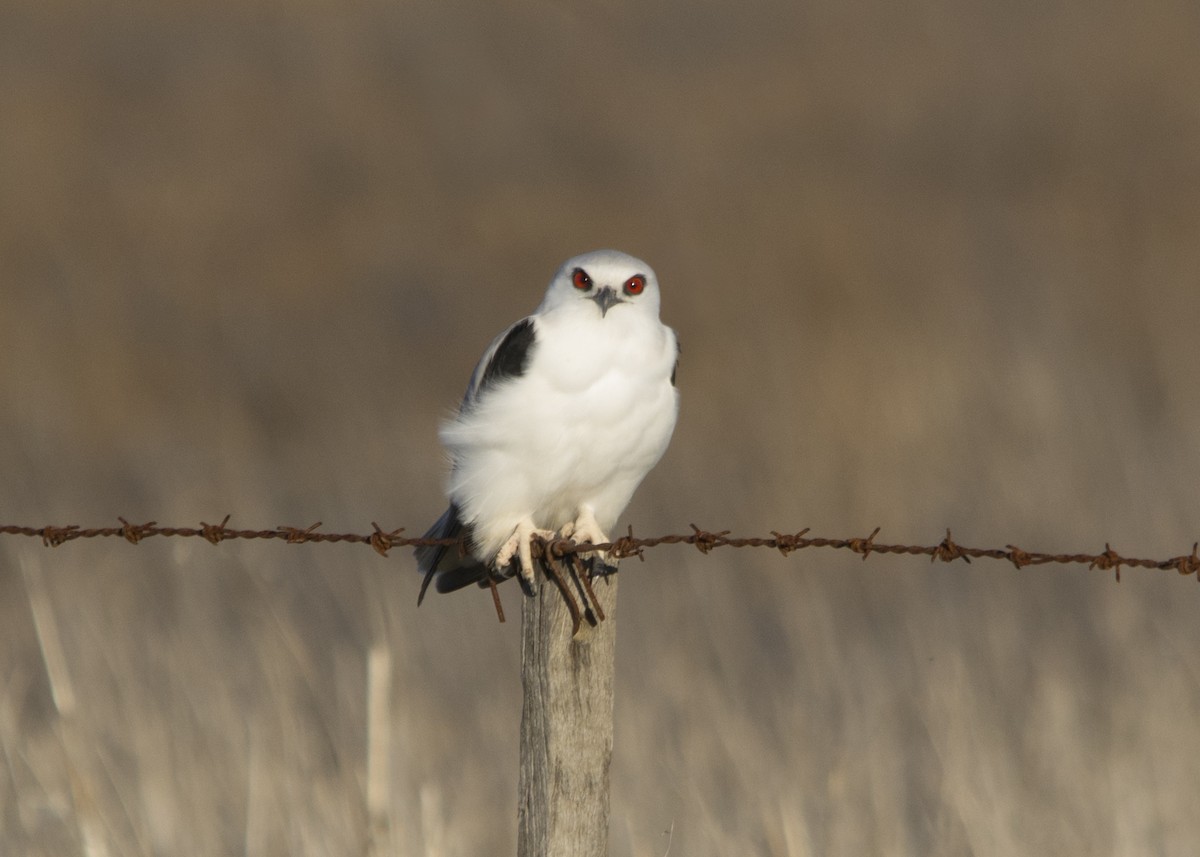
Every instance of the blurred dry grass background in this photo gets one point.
(933, 264)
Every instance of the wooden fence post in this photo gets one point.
(566, 726)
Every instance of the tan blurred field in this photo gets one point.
(932, 265)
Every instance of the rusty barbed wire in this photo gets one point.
(947, 550)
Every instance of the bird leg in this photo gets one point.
(518, 545)
(585, 529)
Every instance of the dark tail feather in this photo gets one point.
(425, 585)
(448, 563)
(463, 575)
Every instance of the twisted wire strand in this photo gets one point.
(382, 541)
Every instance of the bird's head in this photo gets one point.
(606, 280)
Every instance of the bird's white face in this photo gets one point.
(603, 282)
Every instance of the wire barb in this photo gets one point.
(299, 537)
(52, 537)
(627, 546)
(785, 543)
(706, 541)
(1187, 564)
(1018, 557)
(383, 542)
(865, 546)
(948, 551)
(134, 533)
(215, 533)
(1108, 559)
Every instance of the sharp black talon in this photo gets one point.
(600, 568)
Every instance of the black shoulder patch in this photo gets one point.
(675, 368)
(511, 357)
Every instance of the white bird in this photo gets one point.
(566, 413)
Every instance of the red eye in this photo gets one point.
(635, 285)
(581, 280)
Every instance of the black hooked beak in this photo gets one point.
(606, 298)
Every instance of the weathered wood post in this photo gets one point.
(566, 726)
